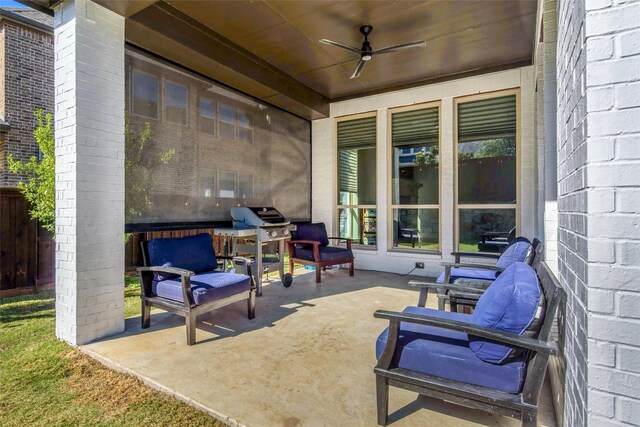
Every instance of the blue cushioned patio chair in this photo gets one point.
(181, 276)
(476, 288)
(309, 245)
(494, 359)
(519, 251)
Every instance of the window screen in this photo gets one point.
(209, 149)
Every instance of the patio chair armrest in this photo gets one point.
(185, 279)
(342, 239)
(471, 266)
(458, 255)
(469, 328)
(439, 287)
(315, 243)
(471, 284)
(169, 270)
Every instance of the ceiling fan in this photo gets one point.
(366, 53)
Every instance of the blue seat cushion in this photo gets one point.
(513, 303)
(316, 232)
(193, 253)
(327, 253)
(445, 353)
(516, 252)
(468, 273)
(207, 286)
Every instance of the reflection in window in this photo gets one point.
(245, 127)
(245, 186)
(480, 227)
(358, 224)
(357, 179)
(175, 103)
(207, 183)
(415, 138)
(207, 115)
(145, 95)
(227, 121)
(228, 184)
(416, 229)
(487, 131)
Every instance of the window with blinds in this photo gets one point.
(356, 140)
(415, 178)
(486, 171)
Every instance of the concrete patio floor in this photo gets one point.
(306, 359)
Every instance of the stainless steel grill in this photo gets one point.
(253, 229)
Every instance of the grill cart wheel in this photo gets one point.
(287, 279)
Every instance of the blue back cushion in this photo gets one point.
(317, 232)
(513, 303)
(193, 253)
(516, 252)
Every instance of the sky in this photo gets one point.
(10, 3)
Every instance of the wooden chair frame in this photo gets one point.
(317, 262)
(187, 309)
(523, 406)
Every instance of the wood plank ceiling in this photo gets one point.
(270, 48)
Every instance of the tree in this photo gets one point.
(500, 147)
(139, 166)
(424, 158)
(39, 187)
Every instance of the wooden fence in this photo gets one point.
(18, 245)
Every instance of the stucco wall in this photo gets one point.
(324, 163)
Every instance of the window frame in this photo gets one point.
(215, 116)
(166, 80)
(391, 206)
(135, 71)
(496, 206)
(250, 127)
(235, 121)
(336, 181)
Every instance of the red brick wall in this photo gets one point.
(26, 84)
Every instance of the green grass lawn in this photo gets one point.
(45, 382)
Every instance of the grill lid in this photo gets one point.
(257, 217)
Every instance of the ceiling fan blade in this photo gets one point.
(420, 43)
(358, 70)
(343, 46)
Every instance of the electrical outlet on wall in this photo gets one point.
(419, 264)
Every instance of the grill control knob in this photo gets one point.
(273, 234)
(285, 232)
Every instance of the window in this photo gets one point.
(245, 186)
(207, 115)
(415, 178)
(227, 121)
(357, 179)
(487, 170)
(227, 185)
(245, 126)
(175, 103)
(145, 94)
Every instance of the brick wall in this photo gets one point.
(612, 35)
(599, 206)
(26, 84)
(572, 205)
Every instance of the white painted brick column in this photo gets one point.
(89, 131)
(599, 208)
